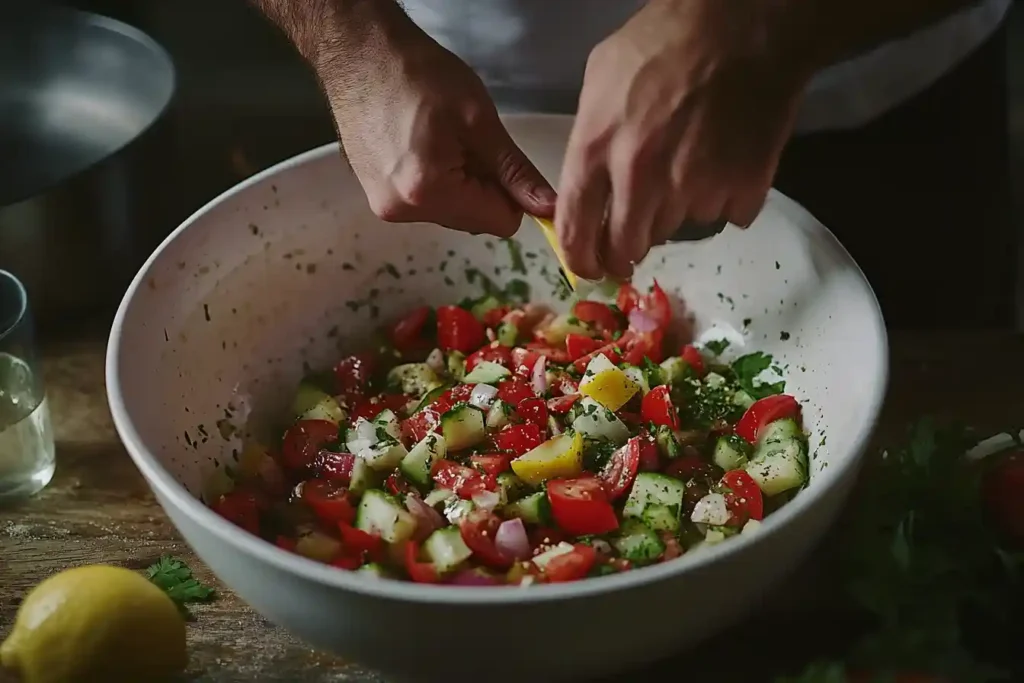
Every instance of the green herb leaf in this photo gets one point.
(175, 578)
(717, 346)
(748, 367)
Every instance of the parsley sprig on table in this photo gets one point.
(919, 558)
(175, 578)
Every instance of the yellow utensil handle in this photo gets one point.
(548, 228)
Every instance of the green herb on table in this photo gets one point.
(920, 558)
(175, 578)
(748, 367)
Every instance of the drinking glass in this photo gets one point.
(27, 448)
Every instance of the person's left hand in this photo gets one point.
(683, 116)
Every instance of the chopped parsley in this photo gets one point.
(748, 367)
(175, 578)
(717, 346)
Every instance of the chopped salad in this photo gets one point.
(492, 443)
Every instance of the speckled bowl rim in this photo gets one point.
(163, 483)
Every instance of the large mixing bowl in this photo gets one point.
(291, 266)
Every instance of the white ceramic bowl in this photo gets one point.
(218, 324)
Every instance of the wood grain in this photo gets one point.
(99, 510)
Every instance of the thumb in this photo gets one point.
(515, 173)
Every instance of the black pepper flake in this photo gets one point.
(347, 266)
(206, 312)
(784, 335)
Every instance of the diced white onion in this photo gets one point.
(436, 360)
(487, 500)
(483, 396)
(711, 510)
(366, 430)
(539, 380)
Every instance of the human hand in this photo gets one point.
(424, 138)
(683, 116)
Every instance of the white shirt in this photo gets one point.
(532, 53)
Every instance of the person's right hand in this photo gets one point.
(424, 137)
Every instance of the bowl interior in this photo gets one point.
(290, 269)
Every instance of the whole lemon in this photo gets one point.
(96, 623)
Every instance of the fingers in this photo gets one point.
(508, 165)
(636, 195)
(580, 213)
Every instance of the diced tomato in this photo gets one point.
(420, 572)
(492, 463)
(493, 317)
(562, 404)
(459, 330)
(578, 345)
(597, 314)
(745, 501)
(562, 384)
(514, 391)
(657, 305)
(533, 410)
(358, 542)
(611, 351)
(329, 500)
(764, 412)
(285, 543)
(407, 333)
(492, 353)
(627, 298)
(543, 536)
(523, 361)
(464, 481)
(554, 355)
(303, 441)
(1003, 495)
(694, 358)
(519, 438)
(571, 566)
(657, 407)
(673, 548)
(644, 345)
(240, 507)
(650, 457)
(478, 530)
(619, 472)
(373, 406)
(416, 428)
(396, 484)
(460, 393)
(581, 506)
(353, 373)
(334, 466)
(349, 562)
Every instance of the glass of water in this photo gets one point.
(26, 436)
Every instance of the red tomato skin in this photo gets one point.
(457, 394)
(416, 428)
(407, 333)
(658, 305)
(493, 353)
(353, 373)
(493, 317)
(419, 572)
(463, 481)
(478, 529)
(347, 562)
(533, 410)
(375, 405)
(765, 411)
(358, 542)
(578, 345)
(285, 543)
(303, 441)
(597, 314)
(649, 456)
(334, 466)
(581, 507)
(491, 463)
(610, 351)
(329, 500)
(619, 472)
(562, 404)
(747, 500)
(657, 408)
(627, 298)
(514, 391)
(397, 485)
(694, 358)
(459, 330)
(571, 566)
(1003, 495)
(241, 508)
(518, 439)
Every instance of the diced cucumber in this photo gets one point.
(779, 466)
(656, 499)
(486, 372)
(511, 487)
(508, 334)
(498, 414)
(731, 452)
(712, 510)
(674, 370)
(714, 380)
(438, 496)
(668, 445)
(384, 516)
(457, 365)
(307, 396)
(484, 306)
(389, 421)
(545, 557)
(532, 509)
(637, 542)
(316, 545)
(384, 455)
(562, 326)
(456, 508)
(328, 409)
(377, 570)
(463, 427)
(743, 399)
(416, 465)
(414, 379)
(431, 396)
(779, 431)
(446, 549)
(594, 421)
(363, 477)
(596, 366)
(639, 376)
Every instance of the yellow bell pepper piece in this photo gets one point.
(561, 456)
(612, 388)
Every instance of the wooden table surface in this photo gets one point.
(99, 510)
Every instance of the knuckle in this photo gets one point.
(412, 182)
(387, 206)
